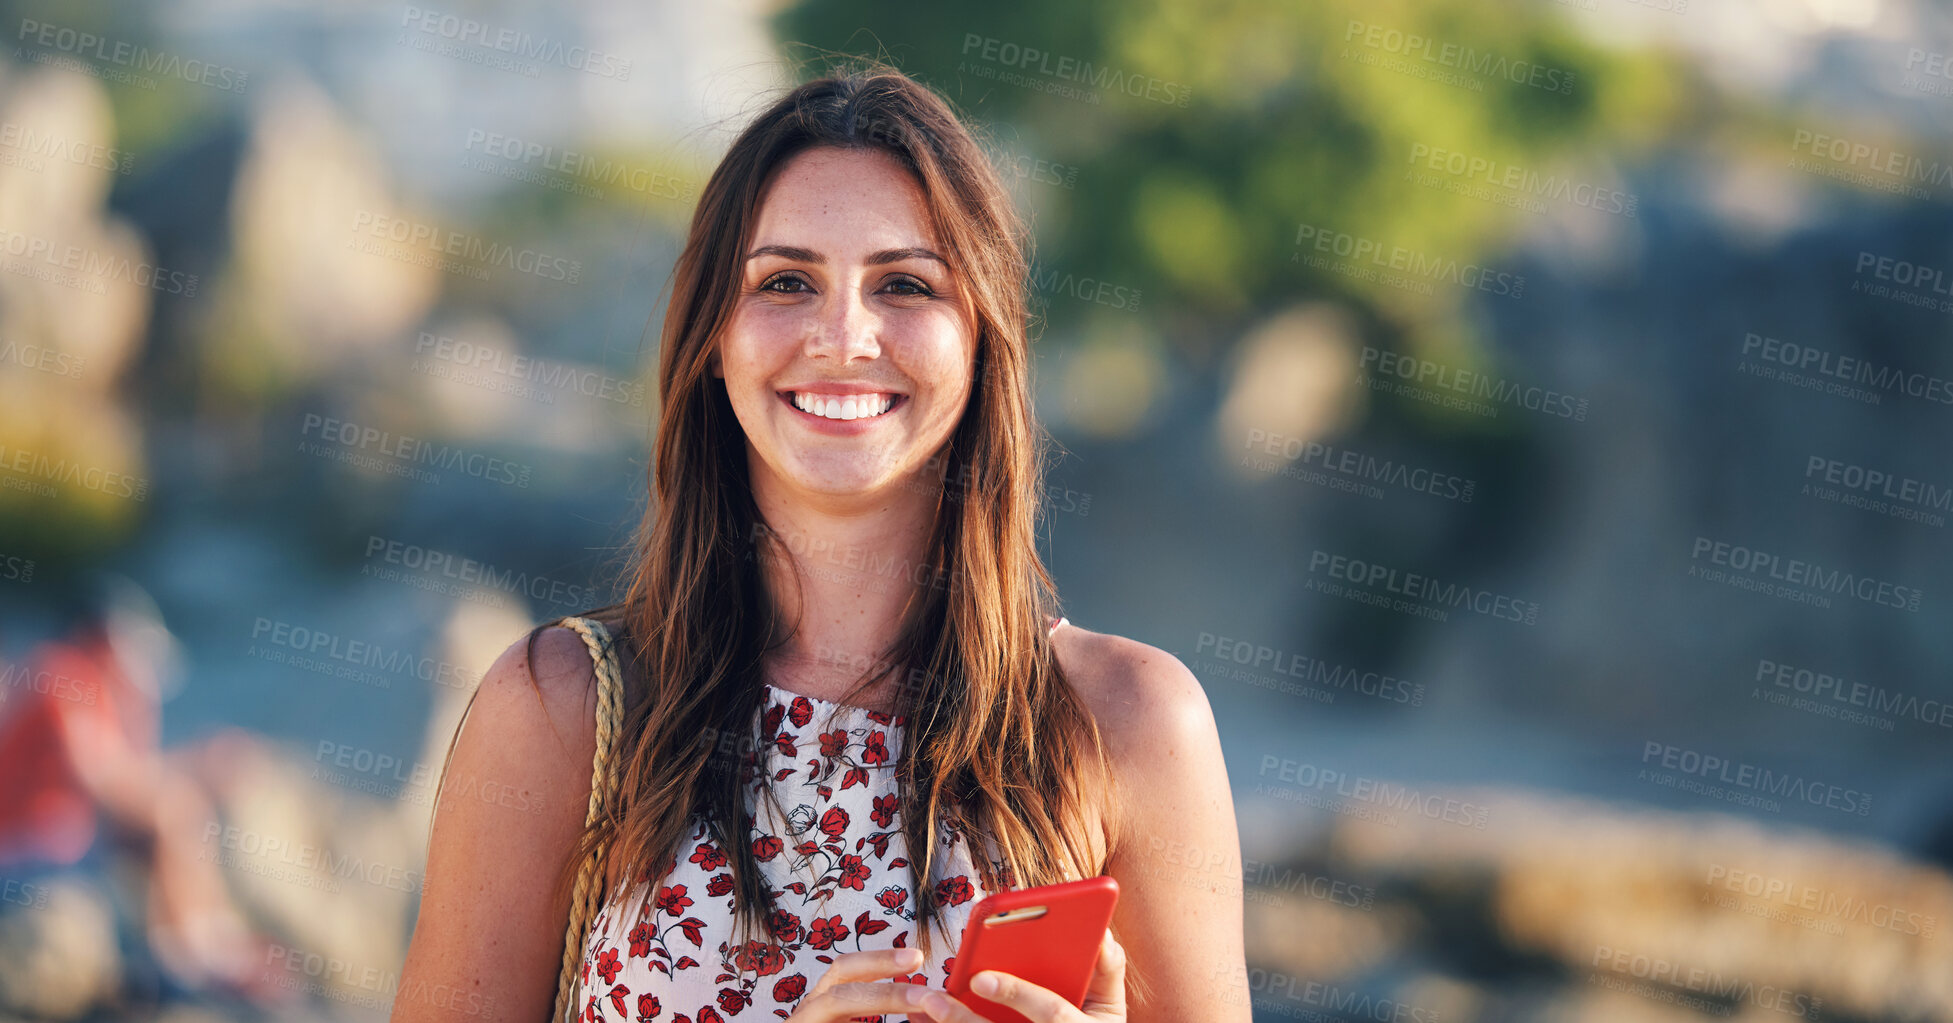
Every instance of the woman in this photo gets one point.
(851, 711)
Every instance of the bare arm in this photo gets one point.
(488, 943)
(1178, 860)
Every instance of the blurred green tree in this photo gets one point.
(1204, 136)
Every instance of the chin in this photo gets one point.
(836, 480)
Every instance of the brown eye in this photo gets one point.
(768, 285)
(910, 282)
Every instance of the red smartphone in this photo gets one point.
(1048, 935)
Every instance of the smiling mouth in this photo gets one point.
(844, 407)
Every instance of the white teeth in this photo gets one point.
(844, 406)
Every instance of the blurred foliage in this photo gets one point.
(1285, 124)
(147, 120)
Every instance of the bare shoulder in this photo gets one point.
(513, 800)
(1139, 694)
(1155, 720)
(560, 682)
(536, 711)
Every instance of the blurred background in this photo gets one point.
(1529, 423)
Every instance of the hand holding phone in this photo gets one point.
(1050, 936)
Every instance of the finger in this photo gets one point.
(1108, 985)
(1040, 1003)
(862, 998)
(942, 1007)
(882, 962)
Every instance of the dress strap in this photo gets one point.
(584, 900)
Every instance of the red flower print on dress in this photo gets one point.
(836, 875)
(784, 925)
(826, 931)
(854, 870)
(672, 899)
(708, 856)
(640, 940)
(786, 989)
(761, 958)
(879, 840)
(954, 891)
(885, 809)
(694, 931)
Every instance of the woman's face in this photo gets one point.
(851, 346)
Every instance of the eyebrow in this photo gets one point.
(795, 252)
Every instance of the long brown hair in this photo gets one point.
(998, 742)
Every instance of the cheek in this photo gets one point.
(938, 350)
(753, 345)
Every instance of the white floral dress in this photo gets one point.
(838, 867)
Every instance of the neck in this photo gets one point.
(859, 562)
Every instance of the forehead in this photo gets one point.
(856, 198)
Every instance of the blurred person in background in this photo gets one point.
(86, 780)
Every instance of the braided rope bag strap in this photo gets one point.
(587, 895)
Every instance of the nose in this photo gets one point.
(843, 329)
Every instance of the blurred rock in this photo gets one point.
(58, 956)
(332, 873)
(1293, 382)
(1616, 914)
(74, 303)
(302, 296)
